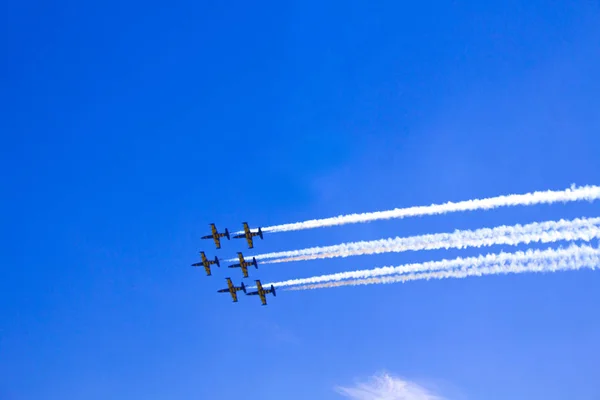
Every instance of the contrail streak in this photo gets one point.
(493, 259)
(588, 258)
(543, 232)
(573, 193)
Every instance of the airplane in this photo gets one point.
(216, 235)
(249, 235)
(232, 289)
(243, 264)
(262, 292)
(207, 263)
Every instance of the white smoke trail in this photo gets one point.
(589, 258)
(473, 262)
(543, 232)
(573, 193)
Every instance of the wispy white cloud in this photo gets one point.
(387, 387)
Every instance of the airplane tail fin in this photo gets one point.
(260, 233)
(217, 262)
(243, 287)
(254, 262)
(273, 290)
(227, 234)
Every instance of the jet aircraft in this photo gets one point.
(207, 263)
(262, 292)
(216, 236)
(243, 264)
(249, 235)
(233, 289)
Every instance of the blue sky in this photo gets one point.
(128, 127)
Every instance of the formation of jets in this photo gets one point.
(243, 263)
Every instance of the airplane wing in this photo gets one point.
(259, 292)
(215, 238)
(262, 296)
(248, 239)
(207, 269)
(234, 296)
(244, 270)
